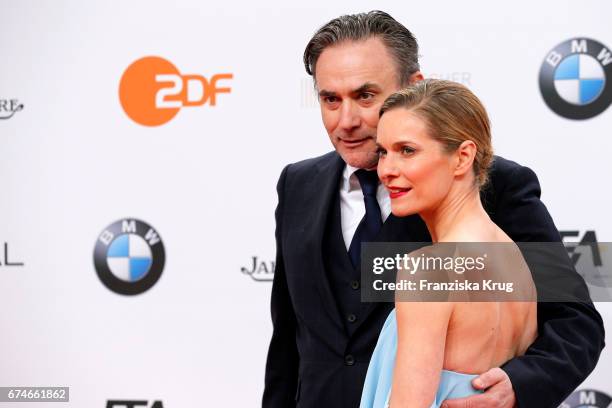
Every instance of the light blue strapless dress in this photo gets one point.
(377, 387)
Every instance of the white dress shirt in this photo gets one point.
(352, 207)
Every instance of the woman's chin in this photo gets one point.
(403, 210)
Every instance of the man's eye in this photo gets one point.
(330, 99)
(366, 96)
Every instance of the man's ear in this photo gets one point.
(466, 152)
(415, 77)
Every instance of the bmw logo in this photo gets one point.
(129, 256)
(587, 399)
(576, 78)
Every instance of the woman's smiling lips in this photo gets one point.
(396, 192)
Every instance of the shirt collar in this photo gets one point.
(350, 182)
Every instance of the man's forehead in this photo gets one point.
(351, 64)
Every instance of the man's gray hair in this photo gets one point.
(357, 27)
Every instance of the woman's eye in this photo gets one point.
(381, 152)
(407, 150)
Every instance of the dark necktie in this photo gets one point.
(371, 222)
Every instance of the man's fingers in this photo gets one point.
(475, 401)
(489, 378)
(499, 393)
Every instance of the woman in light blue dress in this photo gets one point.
(377, 387)
(434, 151)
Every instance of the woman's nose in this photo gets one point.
(387, 169)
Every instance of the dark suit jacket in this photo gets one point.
(313, 361)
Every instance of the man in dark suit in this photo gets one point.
(323, 334)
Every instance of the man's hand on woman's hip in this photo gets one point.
(498, 392)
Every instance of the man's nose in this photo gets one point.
(349, 116)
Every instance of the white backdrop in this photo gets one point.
(73, 162)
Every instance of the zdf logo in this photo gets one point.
(152, 90)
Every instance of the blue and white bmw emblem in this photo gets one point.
(587, 399)
(576, 78)
(129, 256)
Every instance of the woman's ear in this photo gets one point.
(466, 152)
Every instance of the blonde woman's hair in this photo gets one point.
(453, 114)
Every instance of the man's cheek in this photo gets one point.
(330, 121)
(372, 117)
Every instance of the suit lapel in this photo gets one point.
(324, 186)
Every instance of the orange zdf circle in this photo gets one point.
(139, 88)
(152, 90)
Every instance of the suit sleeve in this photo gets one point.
(570, 334)
(283, 360)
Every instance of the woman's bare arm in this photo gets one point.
(421, 331)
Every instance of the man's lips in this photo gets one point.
(354, 142)
(397, 192)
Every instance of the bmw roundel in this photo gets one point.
(576, 78)
(587, 399)
(129, 256)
